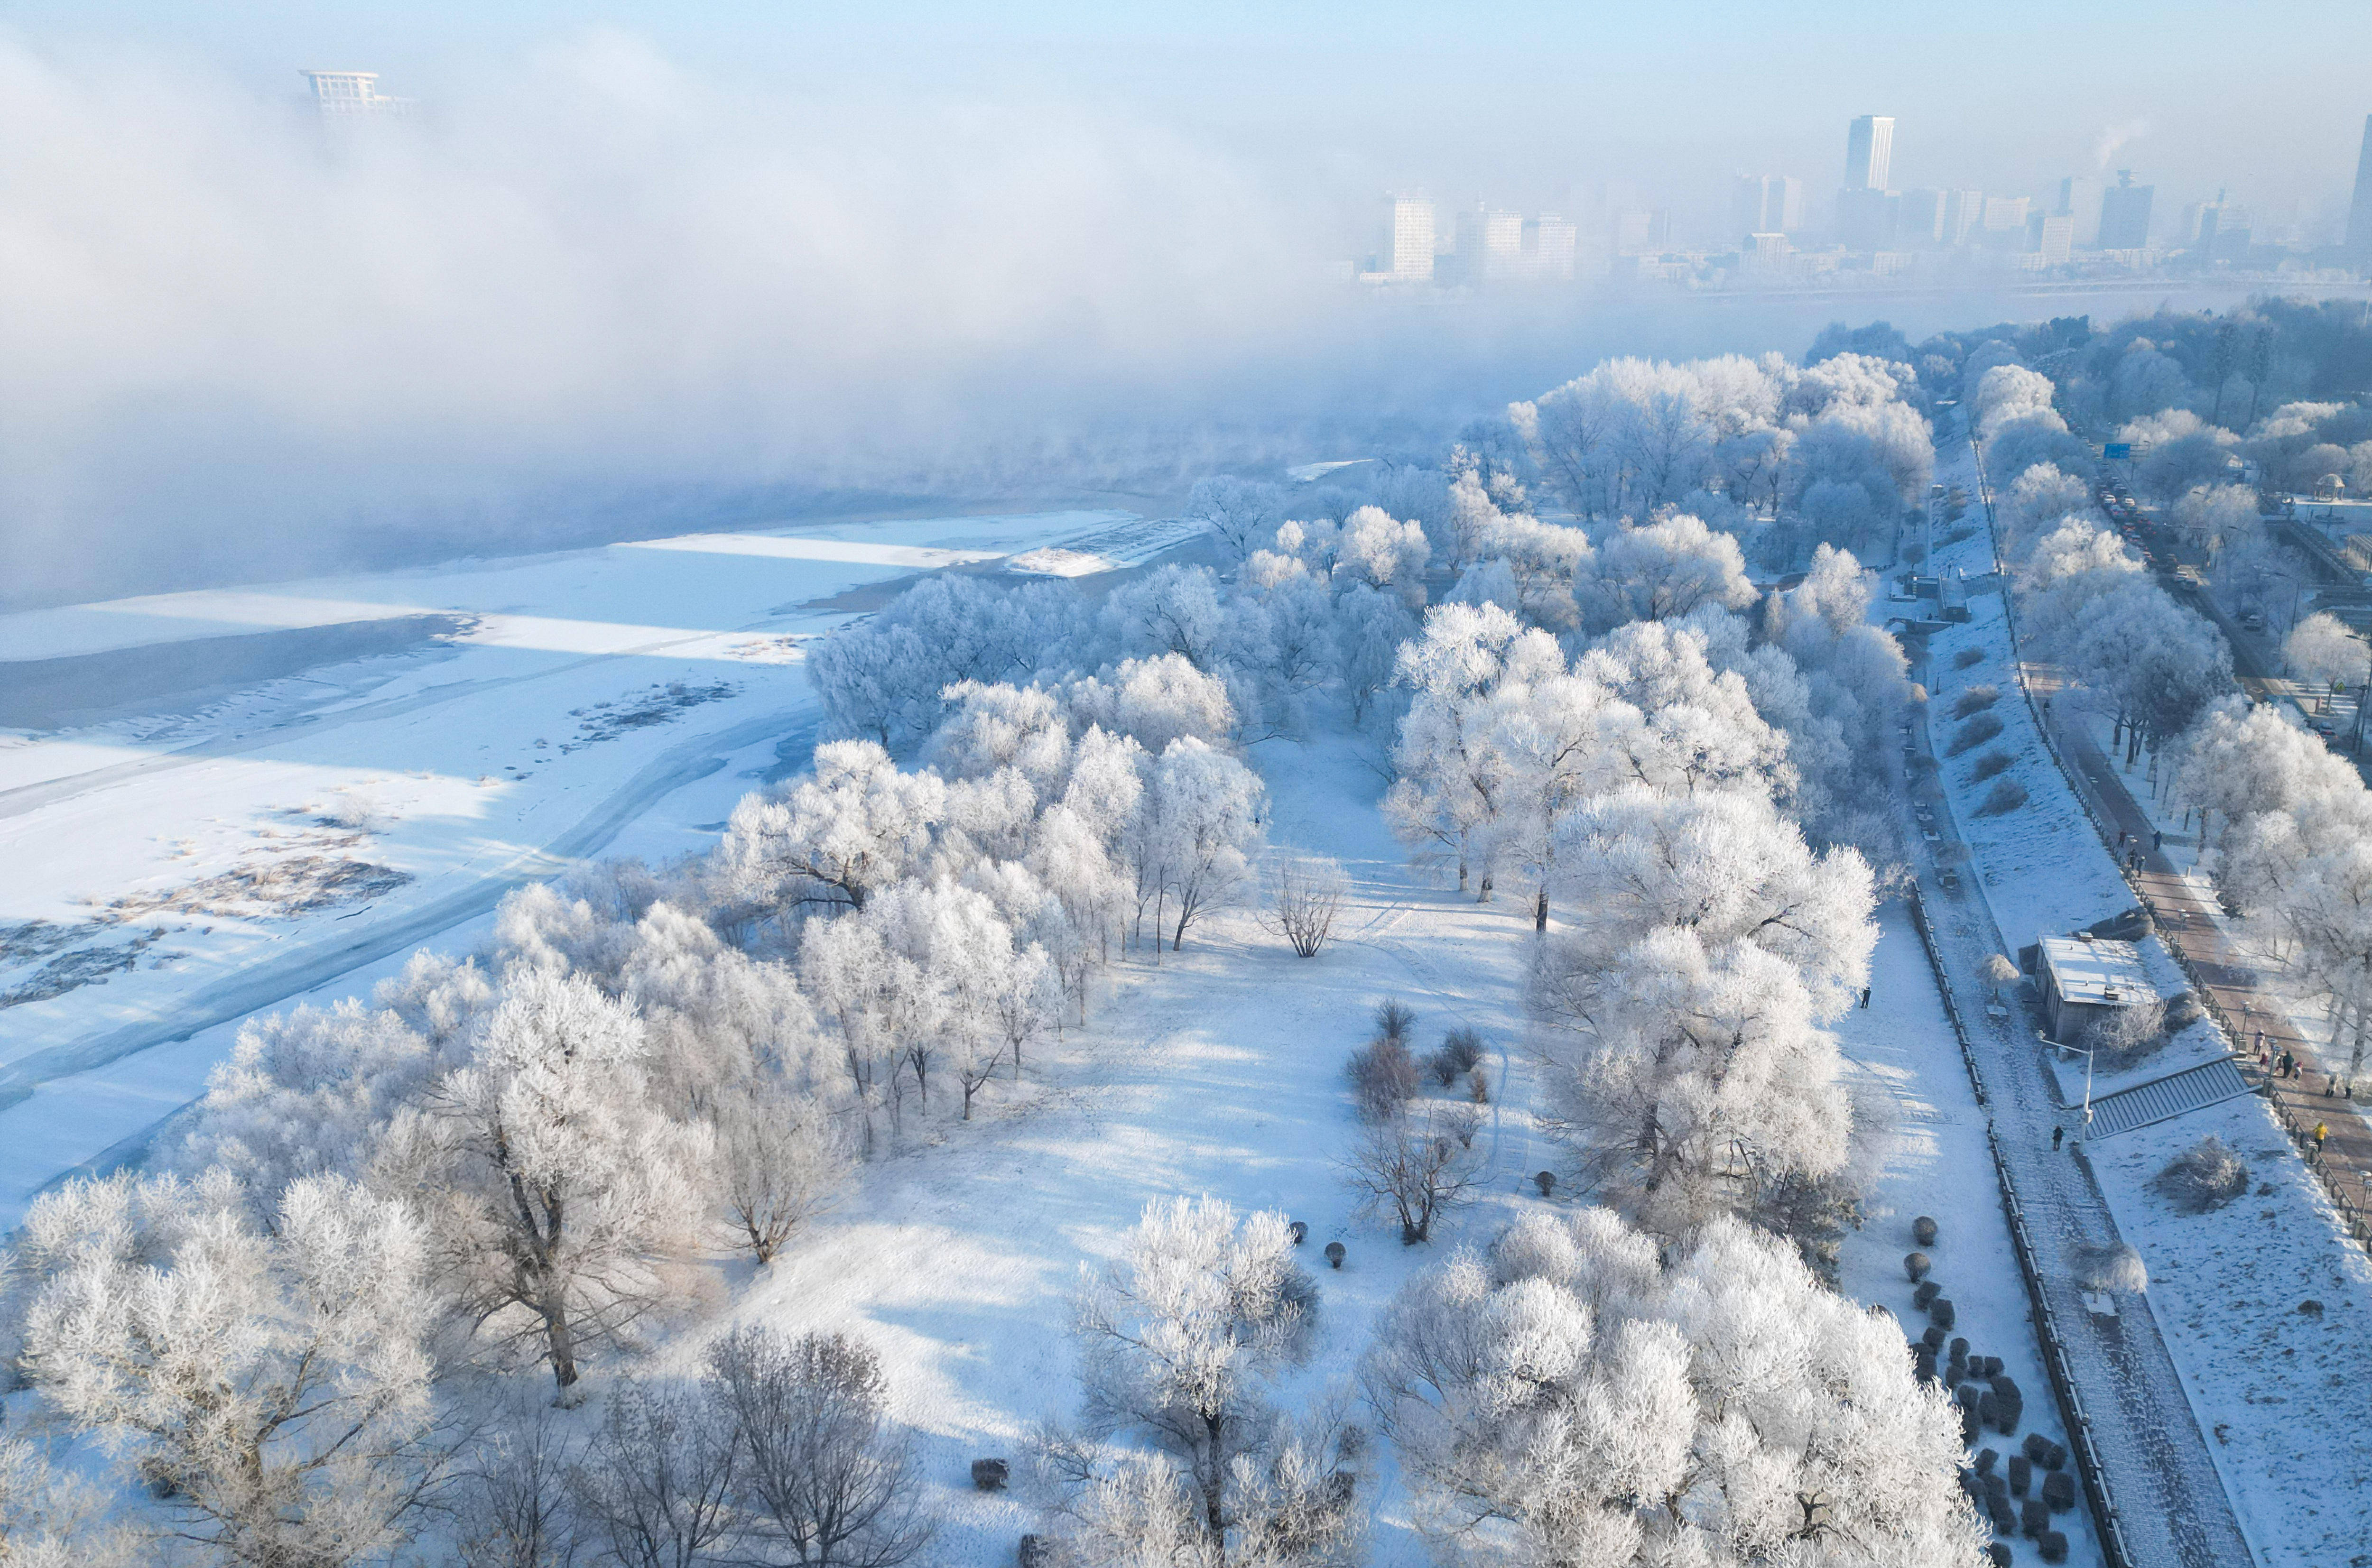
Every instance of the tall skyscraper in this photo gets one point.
(1963, 210)
(1870, 152)
(345, 96)
(2079, 198)
(2359, 216)
(2125, 214)
(1408, 236)
(2057, 238)
(1554, 240)
(1766, 204)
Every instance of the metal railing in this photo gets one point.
(2073, 1417)
(2356, 1211)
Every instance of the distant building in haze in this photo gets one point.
(1963, 210)
(1919, 219)
(2125, 214)
(346, 96)
(1766, 204)
(1870, 152)
(2079, 198)
(1554, 244)
(2005, 213)
(2359, 215)
(2056, 241)
(1408, 239)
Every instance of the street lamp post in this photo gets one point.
(2088, 1076)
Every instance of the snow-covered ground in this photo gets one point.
(1220, 1072)
(171, 873)
(2265, 1379)
(1914, 1102)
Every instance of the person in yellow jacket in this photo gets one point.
(2321, 1132)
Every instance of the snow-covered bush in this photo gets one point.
(1306, 893)
(2109, 1266)
(2206, 1176)
(1566, 1396)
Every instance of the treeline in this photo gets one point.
(2284, 817)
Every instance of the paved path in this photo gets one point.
(2189, 922)
(2167, 1495)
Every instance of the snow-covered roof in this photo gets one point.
(2105, 974)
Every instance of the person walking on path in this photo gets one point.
(2058, 1136)
(2157, 840)
(2321, 1132)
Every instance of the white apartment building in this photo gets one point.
(1409, 256)
(346, 96)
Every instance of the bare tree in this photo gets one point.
(514, 1508)
(658, 1483)
(822, 1477)
(1419, 1166)
(1306, 891)
(782, 1160)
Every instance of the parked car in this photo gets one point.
(2326, 729)
(2253, 622)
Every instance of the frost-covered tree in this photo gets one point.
(882, 677)
(1205, 813)
(988, 728)
(1383, 552)
(1570, 1397)
(1663, 571)
(2176, 450)
(551, 1184)
(2322, 650)
(1370, 628)
(1183, 1340)
(53, 1517)
(304, 1093)
(2217, 517)
(822, 1477)
(1172, 609)
(1242, 513)
(856, 826)
(1155, 700)
(273, 1384)
(1453, 784)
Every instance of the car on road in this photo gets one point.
(2326, 729)
(2253, 622)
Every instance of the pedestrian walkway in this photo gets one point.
(2253, 1017)
(2167, 1501)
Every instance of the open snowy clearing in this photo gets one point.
(172, 872)
(1218, 1071)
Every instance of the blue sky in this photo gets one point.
(1522, 100)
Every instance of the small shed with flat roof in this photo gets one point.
(2085, 978)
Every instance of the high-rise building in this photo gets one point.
(1867, 220)
(2359, 215)
(344, 97)
(2079, 198)
(1870, 152)
(1766, 204)
(1503, 243)
(2005, 213)
(1963, 210)
(2057, 238)
(1642, 231)
(1408, 237)
(2125, 214)
(1553, 248)
(1919, 222)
